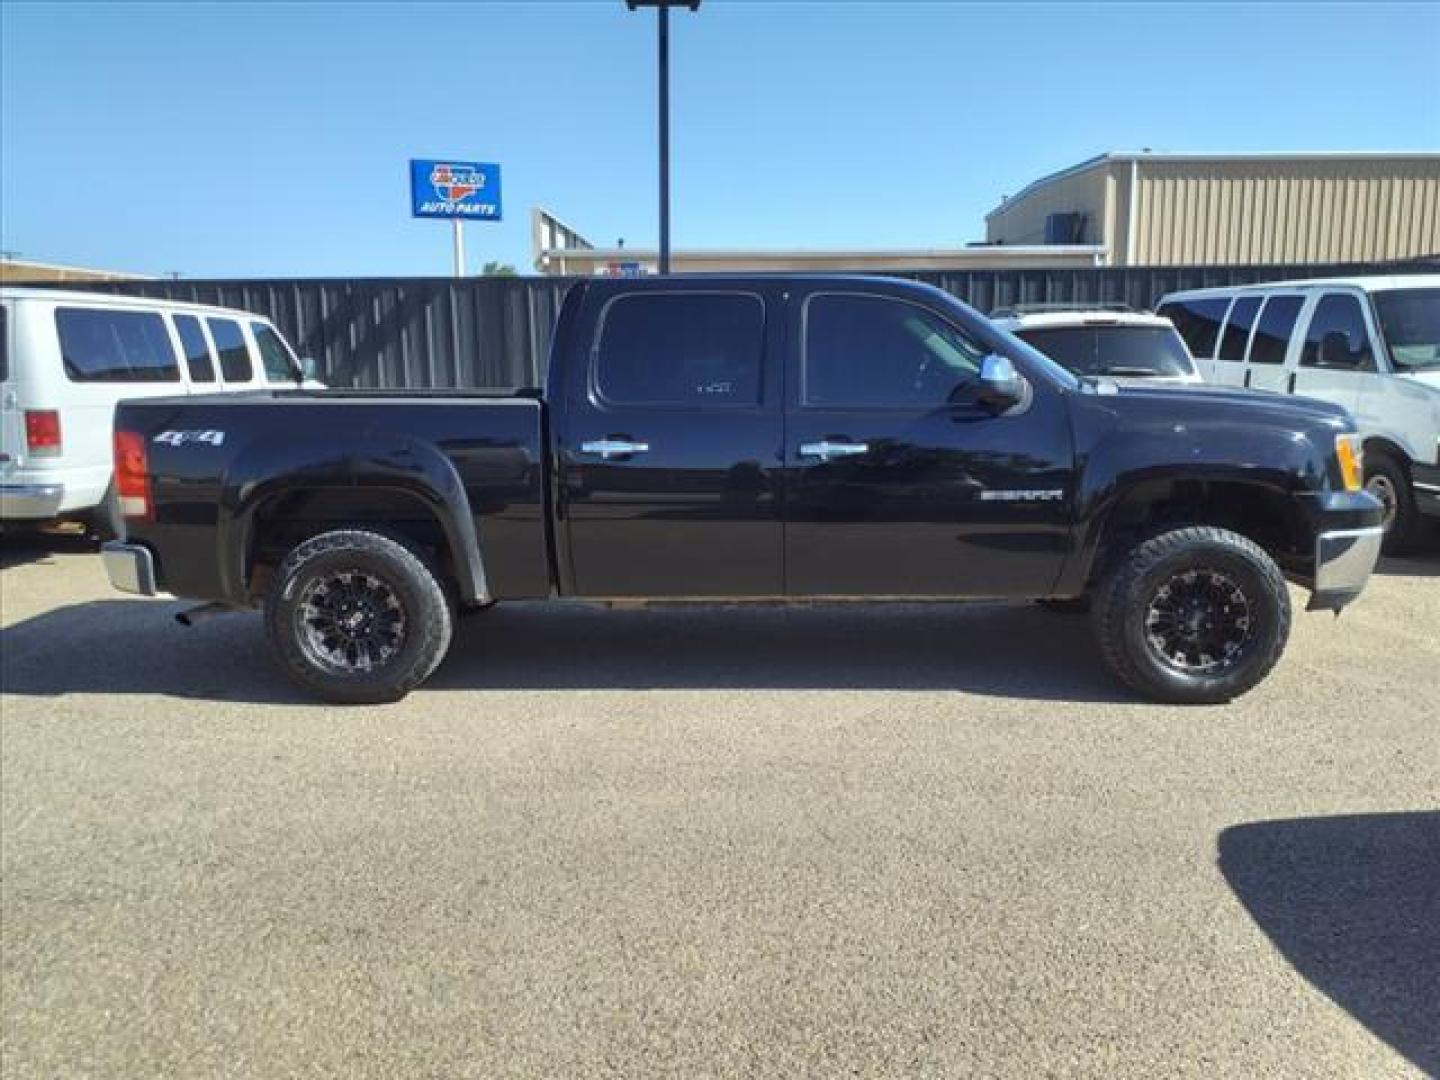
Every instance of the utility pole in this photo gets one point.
(662, 11)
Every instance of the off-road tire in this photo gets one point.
(1402, 531)
(413, 583)
(1123, 604)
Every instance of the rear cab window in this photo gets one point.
(275, 357)
(100, 345)
(235, 365)
(1112, 349)
(682, 349)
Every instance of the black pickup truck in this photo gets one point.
(752, 438)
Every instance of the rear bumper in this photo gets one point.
(30, 502)
(130, 568)
(1344, 560)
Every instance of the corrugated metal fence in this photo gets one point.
(493, 333)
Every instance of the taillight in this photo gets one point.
(132, 478)
(42, 432)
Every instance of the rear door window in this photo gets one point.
(115, 346)
(198, 360)
(1198, 322)
(1272, 334)
(691, 349)
(280, 366)
(235, 363)
(1238, 327)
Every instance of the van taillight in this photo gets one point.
(132, 478)
(42, 432)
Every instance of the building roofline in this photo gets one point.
(976, 251)
(1248, 155)
(117, 274)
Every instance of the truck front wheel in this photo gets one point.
(356, 617)
(1194, 616)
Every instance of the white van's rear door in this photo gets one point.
(12, 420)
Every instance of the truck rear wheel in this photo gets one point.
(356, 617)
(1195, 616)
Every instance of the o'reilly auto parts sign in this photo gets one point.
(455, 189)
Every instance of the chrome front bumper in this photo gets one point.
(130, 567)
(30, 502)
(1343, 562)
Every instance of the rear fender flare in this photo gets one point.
(360, 460)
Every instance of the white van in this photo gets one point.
(1371, 344)
(1131, 347)
(66, 358)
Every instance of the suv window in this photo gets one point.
(681, 348)
(4, 343)
(1338, 313)
(876, 351)
(1112, 350)
(1237, 328)
(115, 346)
(197, 350)
(235, 363)
(1198, 321)
(1410, 324)
(1272, 335)
(275, 356)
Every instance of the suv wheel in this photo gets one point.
(356, 617)
(1194, 616)
(1385, 479)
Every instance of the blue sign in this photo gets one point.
(455, 189)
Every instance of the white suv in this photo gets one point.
(1128, 346)
(67, 357)
(1371, 344)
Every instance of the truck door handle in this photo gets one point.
(826, 450)
(609, 449)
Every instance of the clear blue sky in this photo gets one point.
(239, 139)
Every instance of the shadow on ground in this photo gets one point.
(18, 548)
(1424, 564)
(1354, 904)
(134, 646)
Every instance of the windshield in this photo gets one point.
(1113, 350)
(1410, 324)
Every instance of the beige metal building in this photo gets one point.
(53, 273)
(560, 249)
(1216, 209)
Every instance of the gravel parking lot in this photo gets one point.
(764, 842)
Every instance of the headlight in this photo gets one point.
(1350, 453)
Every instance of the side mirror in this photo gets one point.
(1000, 386)
(309, 369)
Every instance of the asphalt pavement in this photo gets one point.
(837, 841)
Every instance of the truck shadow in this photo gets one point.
(135, 647)
(1423, 564)
(19, 548)
(1353, 903)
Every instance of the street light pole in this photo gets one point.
(663, 15)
